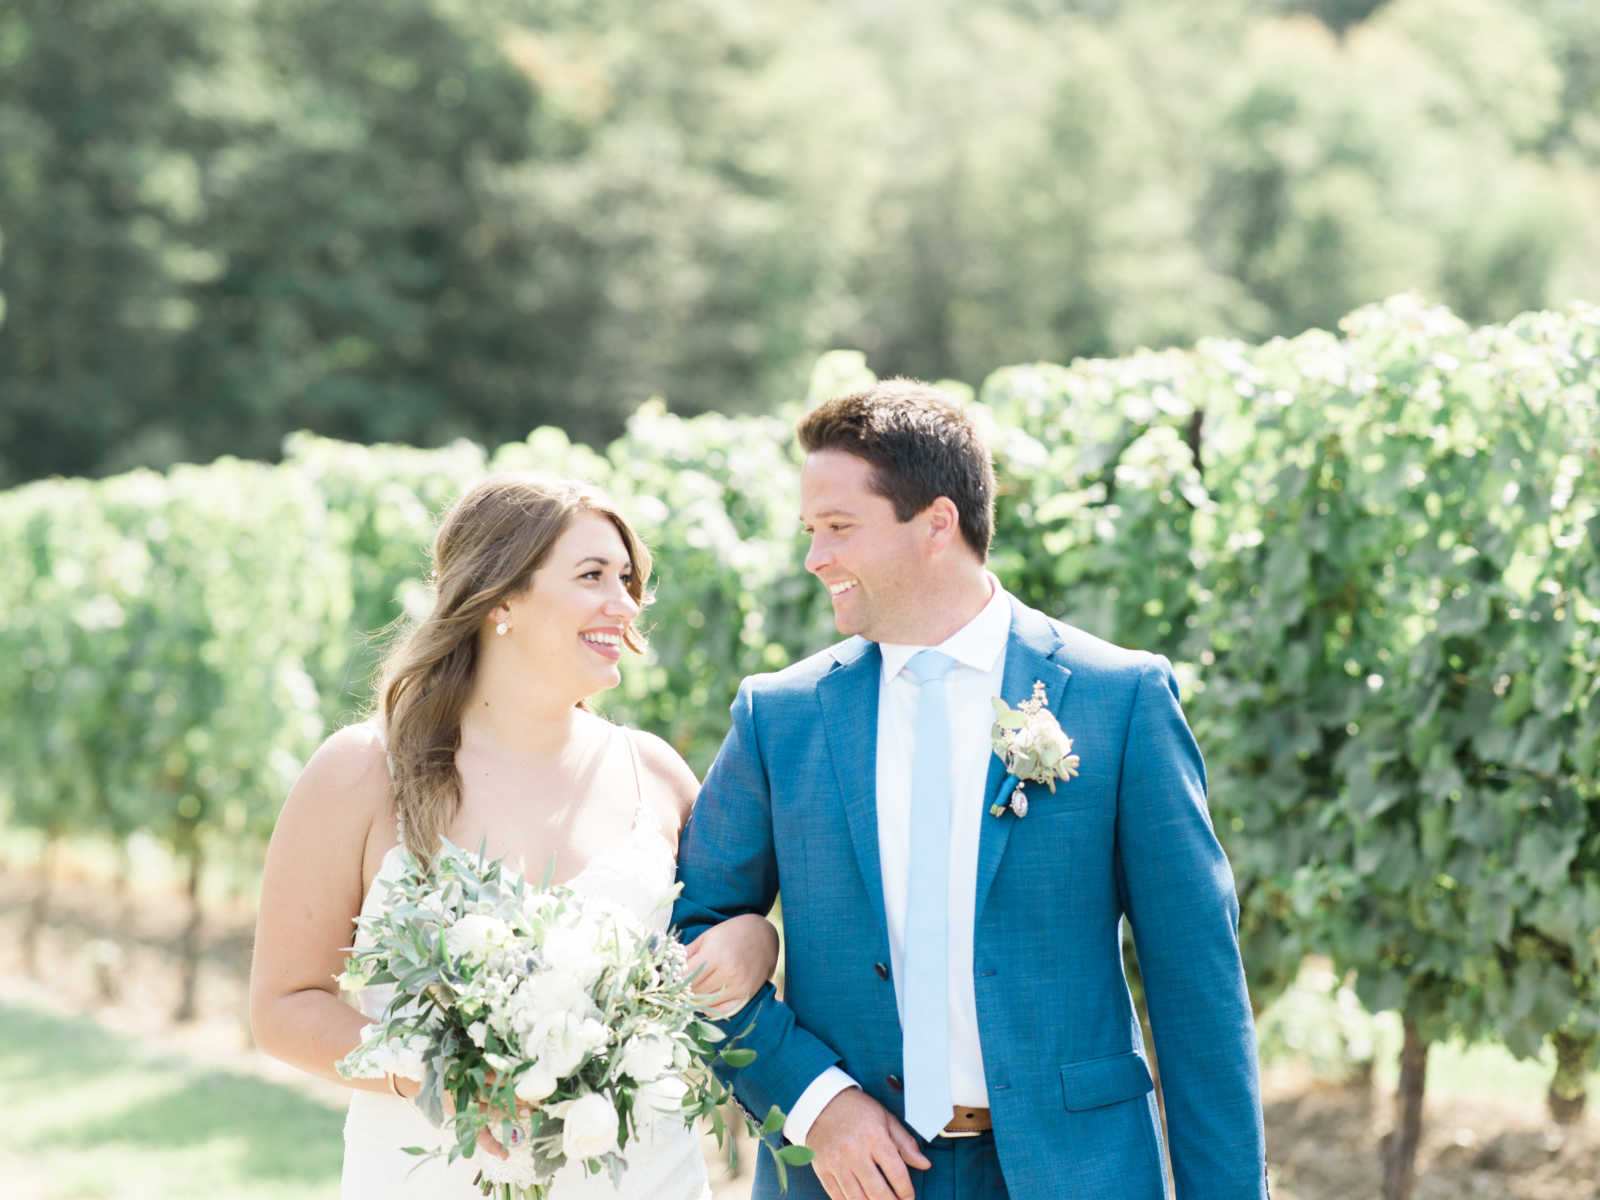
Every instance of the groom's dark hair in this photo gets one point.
(921, 445)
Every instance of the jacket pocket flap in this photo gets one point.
(1100, 1081)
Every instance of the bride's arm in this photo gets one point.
(311, 893)
(735, 957)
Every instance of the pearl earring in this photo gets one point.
(502, 629)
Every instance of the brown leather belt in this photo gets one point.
(969, 1120)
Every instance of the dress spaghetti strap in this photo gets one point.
(641, 810)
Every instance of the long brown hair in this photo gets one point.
(488, 546)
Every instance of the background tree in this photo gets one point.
(97, 161)
(426, 219)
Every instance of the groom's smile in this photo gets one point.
(861, 551)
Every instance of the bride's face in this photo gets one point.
(566, 628)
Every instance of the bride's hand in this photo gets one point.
(733, 958)
(487, 1142)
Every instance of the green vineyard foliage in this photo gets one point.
(1372, 555)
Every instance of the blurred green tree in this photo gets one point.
(418, 219)
(97, 170)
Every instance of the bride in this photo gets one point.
(484, 736)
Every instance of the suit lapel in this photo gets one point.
(1030, 654)
(849, 699)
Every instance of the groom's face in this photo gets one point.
(871, 562)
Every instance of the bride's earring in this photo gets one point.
(502, 629)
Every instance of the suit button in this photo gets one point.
(894, 1082)
(882, 969)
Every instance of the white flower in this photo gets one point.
(1032, 746)
(647, 1056)
(1023, 740)
(479, 1033)
(519, 1168)
(378, 1055)
(589, 1127)
(665, 1094)
(1049, 736)
(534, 1084)
(475, 935)
(575, 950)
(563, 1040)
(553, 989)
(351, 980)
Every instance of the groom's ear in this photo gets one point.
(943, 524)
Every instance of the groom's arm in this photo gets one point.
(1177, 890)
(728, 865)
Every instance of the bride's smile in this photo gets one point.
(565, 632)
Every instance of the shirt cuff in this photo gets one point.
(797, 1125)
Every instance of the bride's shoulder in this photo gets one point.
(351, 760)
(665, 769)
(341, 796)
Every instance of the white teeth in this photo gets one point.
(835, 589)
(602, 639)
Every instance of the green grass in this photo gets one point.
(96, 1116)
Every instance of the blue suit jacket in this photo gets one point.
(790, 805)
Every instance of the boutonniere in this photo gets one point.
(1030, 743)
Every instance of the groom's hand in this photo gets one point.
(862, 1151)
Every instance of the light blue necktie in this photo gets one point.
(926, 1035)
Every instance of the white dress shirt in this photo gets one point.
(978, 649)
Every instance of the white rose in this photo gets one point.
(664, 1095)
(589, 1127)
(553, 990)
(575, 951)
(564, 1040)
(535, 1084)
(617, 925)
(1051, 737)
(647, 1057)
(475, 935)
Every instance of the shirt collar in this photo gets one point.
(978, 644)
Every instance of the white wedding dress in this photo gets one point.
(663, 1163)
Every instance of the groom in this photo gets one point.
(955, 1021)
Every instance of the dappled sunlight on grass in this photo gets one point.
(104, 1119)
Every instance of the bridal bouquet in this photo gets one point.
(556, 1020)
